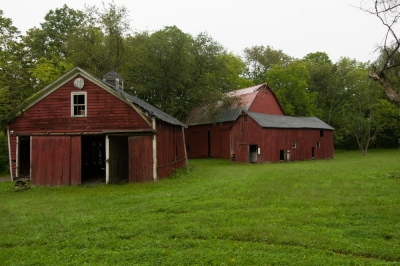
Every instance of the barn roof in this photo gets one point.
(152, 110)
(130, 99)
(201, 115)
(280, 121)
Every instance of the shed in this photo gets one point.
(261, 138)
(81, 129)
(209, 136)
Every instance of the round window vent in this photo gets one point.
(79, 83)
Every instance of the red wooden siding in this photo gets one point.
(271, 141)
(140, 159)
(197, 141)
(266, 103)
(170, 149)
(53, 113)
(55, 161)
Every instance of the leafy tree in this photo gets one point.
(322, 74)
(259, 59)
(360, 112)
(176, 72)
(290, 85)
(15, 82)
(52, 38)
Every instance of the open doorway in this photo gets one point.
(24, 157)
(253, 153)
(313, 153)
(93, 159)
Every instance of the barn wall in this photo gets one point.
(271, 141)
(197, 141)
(266, 102)
(53, 113)
(170, 149)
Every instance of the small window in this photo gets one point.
(78, 104)
(321, 133)
(244, 118)
(293, 145)
(318, 145)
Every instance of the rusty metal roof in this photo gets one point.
(201, 115)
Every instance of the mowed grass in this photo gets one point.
(344, 211)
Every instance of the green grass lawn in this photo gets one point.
(344, 211)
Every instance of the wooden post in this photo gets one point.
(184, 148)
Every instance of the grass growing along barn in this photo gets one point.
(326, 212)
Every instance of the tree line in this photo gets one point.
(176, 71)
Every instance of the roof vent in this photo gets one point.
(114, 79)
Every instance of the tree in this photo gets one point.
(259, 59)
(176, 71)
(388, 12)
(359, 113)
(321, 82)
(52, 38)
(15, 82)
(290, 85)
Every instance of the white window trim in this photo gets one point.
(72, 103)
(318, 144)
(294, 145)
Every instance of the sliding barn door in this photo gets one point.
(140, 158)
(56, 160)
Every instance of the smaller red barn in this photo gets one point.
(81, 128)
(261, 138)
(208, 136)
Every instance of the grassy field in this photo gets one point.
(344, 211)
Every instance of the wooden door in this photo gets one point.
(140, 158)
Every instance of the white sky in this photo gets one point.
(296, 27)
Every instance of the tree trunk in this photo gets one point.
(387, 88)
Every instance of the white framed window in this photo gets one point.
(293, 145)
(79, 104)
(318, 144)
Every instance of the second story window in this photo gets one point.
(78, 104)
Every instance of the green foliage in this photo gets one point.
(290, 85)
(259, 60)
(176, 71)
(325, 212)
(4, 166)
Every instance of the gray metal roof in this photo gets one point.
(201, 116)
(281, 121)
(152, 110)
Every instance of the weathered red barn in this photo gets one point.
(261, 138)
(208, 136)
(81, 128)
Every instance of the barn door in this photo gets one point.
(118, 159)
(56, 161)
(140, 158)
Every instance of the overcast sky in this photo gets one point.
(296, 27)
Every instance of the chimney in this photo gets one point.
(114, 79)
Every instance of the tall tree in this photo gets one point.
(290, 85)
(15, 82)
(259, 59)
(388, 12)
(361, 109)
(176, 71)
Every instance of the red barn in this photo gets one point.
(261, 138)
(208, 136)
(81, 128)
